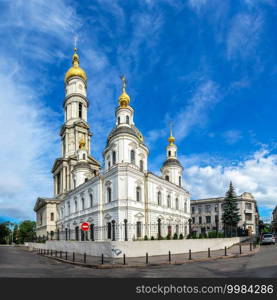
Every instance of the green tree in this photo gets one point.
(4, 233)
(26, 231)
(230, 216)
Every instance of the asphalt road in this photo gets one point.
(16, 262)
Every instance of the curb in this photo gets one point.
(115, 266)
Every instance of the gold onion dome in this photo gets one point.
(171, 139)
(124, 98)
(75, 70)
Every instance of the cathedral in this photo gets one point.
(121, 201)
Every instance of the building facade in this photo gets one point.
(124, 201)
(274, 220)
(206, 214)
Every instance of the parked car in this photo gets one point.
(268, 238)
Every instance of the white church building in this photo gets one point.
(124, 200)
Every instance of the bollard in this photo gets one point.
(250, 246)
(66, 255)
(102, 259)
(146, 258)
(124, 259)
(169, 256)
(56, 254)
(85, 257)
(73, 256)
(240, 249)
(44, 252)
(51, 252)
(47, 251)
(189, 254)
(61, 254)
(225, 251)
(209, 252)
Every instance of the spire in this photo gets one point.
(171, 139)
(124, 98)
(75, 59)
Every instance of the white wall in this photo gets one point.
(138, 248)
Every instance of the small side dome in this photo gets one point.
(247, 195)
(75, 70)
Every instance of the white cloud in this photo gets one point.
(244, 35)
(257, 175)
(232, 136)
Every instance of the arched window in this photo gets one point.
(80, 110)
(180, 180)
(185, 206)
(159, 198)
(86, 179)
(127, 119)
(91, 200)
(76, 206)
(168, 201)
(83, 203)
(167, 177)
(68, 207)
(114, 157)
(109, 194)
(52, 216)
(169, 153)
(118, 120)
(141, 165)
(177, 203)
(138, 194)
(109, 165)
(84, 156)
(133, 159)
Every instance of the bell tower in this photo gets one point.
(74, 132)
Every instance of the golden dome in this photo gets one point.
(124, 98)
(171, 139)
(75, 70)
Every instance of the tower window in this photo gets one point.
(109, 194)
(52, 216)
(168, 201)
(76, 206)
(58, 183)
(133, 161)
(84, 156)
(91, 200)
(167, 177)
(169, 153)
(141, 165)
(180, 180)
(177, 203)
(83, 204)
(127, 119)
(138, 194)
(159, 197)
(118, 120)
(114, 157)
(80, 110)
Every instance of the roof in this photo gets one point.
(125, 129)
(172, 162)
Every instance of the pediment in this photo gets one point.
(139, 215)
(108, 216)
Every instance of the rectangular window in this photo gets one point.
(114, 157)
(80, 110)
(192, 209)
(248, 217)
(52, 216)
(199, 209)
(207, 208)
(248, 205)
(138, 229)
(216, 208)
(193, 220)
(208, 219)
(200, 220)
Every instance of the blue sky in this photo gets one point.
(207, 66)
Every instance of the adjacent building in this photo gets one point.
(274, 220)
(206, 214)
(122, 201)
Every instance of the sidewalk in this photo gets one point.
(96, 262)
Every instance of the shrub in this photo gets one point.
(152, 238)
(168, 237)
(181, 236)
(146, 238)
(175, 236)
